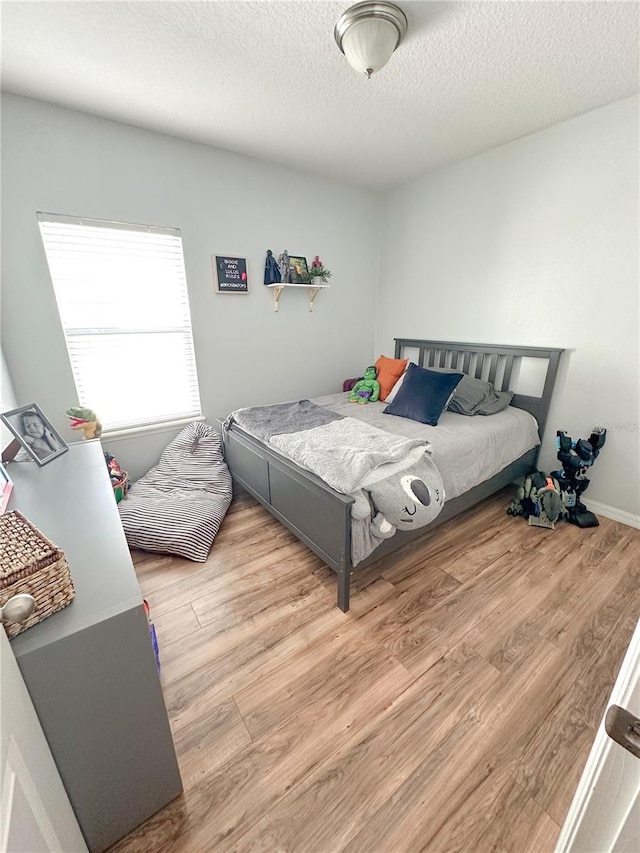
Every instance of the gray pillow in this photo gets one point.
(476, 396)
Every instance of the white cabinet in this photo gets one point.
(90, 668)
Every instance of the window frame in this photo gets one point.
(164, 422)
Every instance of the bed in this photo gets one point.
(320, 516)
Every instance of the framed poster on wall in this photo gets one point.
(230, 274)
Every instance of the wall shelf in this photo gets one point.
(313, 290)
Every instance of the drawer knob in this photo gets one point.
(18, 608)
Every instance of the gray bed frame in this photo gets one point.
(321, 517)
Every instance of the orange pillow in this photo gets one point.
(389, 371)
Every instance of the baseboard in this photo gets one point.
(611, 512)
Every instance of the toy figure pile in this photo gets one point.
(543, 499)
(118, 476)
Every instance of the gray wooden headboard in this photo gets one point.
(496, 363)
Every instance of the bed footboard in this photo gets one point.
(319, 516)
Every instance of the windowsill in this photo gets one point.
(150, 429)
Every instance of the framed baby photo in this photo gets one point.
(35, 433)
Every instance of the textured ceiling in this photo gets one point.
(266, 79)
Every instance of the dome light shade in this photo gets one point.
(368, 33)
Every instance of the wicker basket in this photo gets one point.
(30, 563)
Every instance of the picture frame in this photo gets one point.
(299, 270)
(6, 485)
(35, 432)
(230, 274)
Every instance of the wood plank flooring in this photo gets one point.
(452, 709)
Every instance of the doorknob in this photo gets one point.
(624, 728)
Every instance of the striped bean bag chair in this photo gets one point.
(178, 506)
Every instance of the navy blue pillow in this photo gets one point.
(423, 394)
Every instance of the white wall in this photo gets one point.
(535, 242)
(60, 161)
(7, 401)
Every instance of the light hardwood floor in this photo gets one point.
(452, 709)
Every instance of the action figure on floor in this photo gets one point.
(576, 458)
(540, 500)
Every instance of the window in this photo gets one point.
(123, 302)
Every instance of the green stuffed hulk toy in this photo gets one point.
(367, 390)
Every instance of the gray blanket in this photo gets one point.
(345, 453)
(265, 421)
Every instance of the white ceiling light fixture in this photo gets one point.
(368, 33)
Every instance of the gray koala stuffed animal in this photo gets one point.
(404, 500)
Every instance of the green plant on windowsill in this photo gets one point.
(318, 273)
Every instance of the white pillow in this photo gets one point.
(392, 394)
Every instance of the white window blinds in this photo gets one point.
(122, 297)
